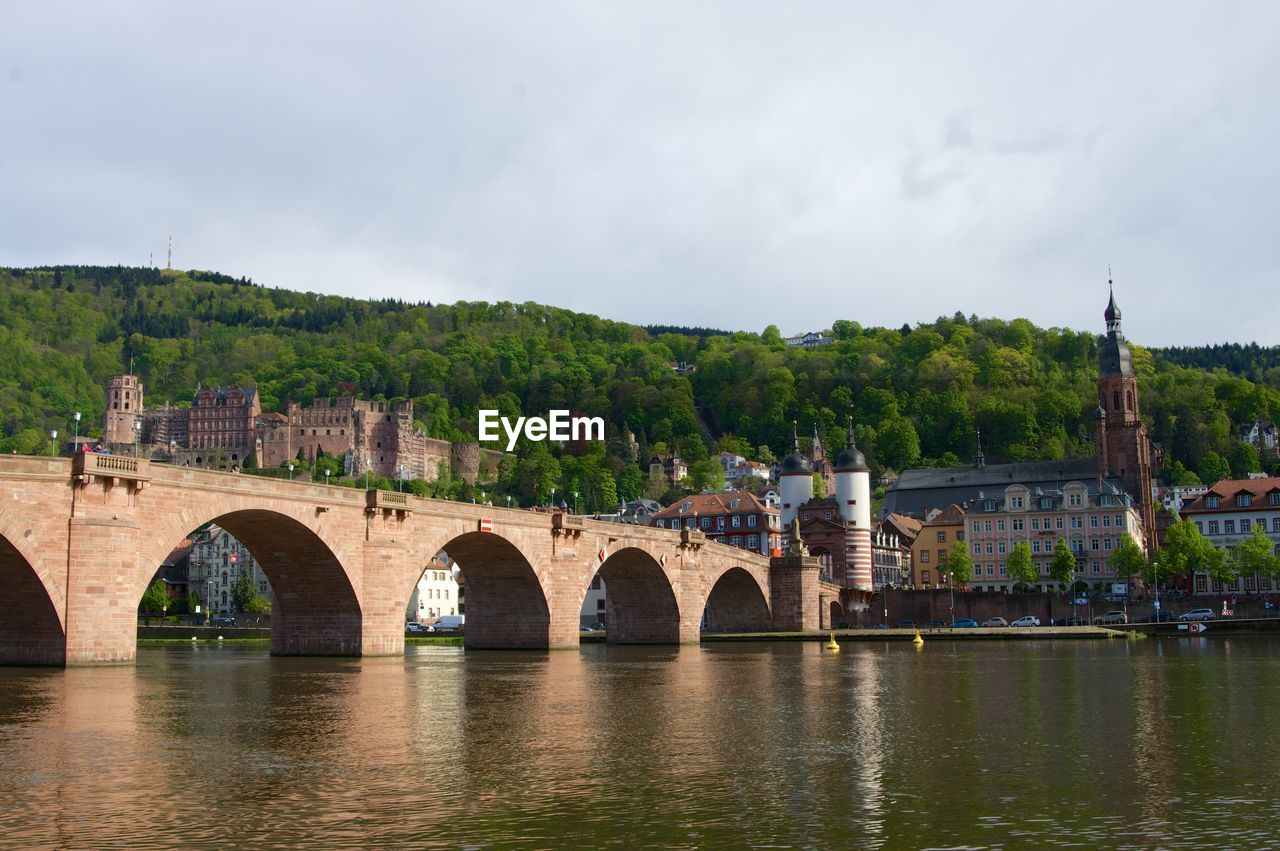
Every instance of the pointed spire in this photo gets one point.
(980, 460)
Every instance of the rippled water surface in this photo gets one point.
(983, 744)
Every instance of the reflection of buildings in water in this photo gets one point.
(867, 726)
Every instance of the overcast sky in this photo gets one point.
(696, 163)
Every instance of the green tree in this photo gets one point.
(1213, 468)
(630, 483)
(259, 605)
(242, 595)
(1129, 560)
(957, 569)
(1021, 567)
(1256, 555)
(156, 598)
(1185, 551)
(706, 475)
(1062, 568)
(193, 600)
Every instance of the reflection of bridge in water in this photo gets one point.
(80, 539)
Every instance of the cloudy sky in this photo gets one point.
(722, 164)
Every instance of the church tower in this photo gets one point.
(124, 409)
(1124, 450)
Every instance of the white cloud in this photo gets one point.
(710, 164)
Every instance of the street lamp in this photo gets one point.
(137, 433)
(208, 601)
(553, 497)
(291, 471)
(75, 444)
(508, 500)
(368, 462)
(400, 477)
(575, 502)
(326, 477)
(53, 443)
(1155, 576)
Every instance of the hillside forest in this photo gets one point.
(917, 396)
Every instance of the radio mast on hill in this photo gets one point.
(169, 265)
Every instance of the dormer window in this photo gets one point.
(1212, 501)
(1046, 502)
(686, 506)
(1244, 500)
(1273, 498)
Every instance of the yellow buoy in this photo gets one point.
(918, 641)
(831, 644)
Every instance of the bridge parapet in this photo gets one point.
(86, 466)
(387, 501)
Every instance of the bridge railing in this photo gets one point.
(116, 466)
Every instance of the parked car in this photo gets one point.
(1160, 616)
(1026, 620)
(414, 626)
(223, 620)
(935, 625)
(966, 623)
(598, 625)
(450, 623)
(1197, 615)
(995, 622)
(1068, 620)
(906, 624)
(1112, 617)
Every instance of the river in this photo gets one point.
(1159, 742)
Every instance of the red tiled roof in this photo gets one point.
(710, 504)
(1227, 489)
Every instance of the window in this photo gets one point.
(924, 577)
(942, 537)
(737, 520)
(720, 522)
(1106, 544)
(1200, 527)
(977, 548)
(1018, 524)
(660, 524)
(1212, 501)
(1077, 522)
(1035, 546)
(1035, 524)
(1213, 527)
(1077, 547)
(1004, 571)
(1244, 500)
(1097, 567)
(753, 541)
(736, 540)
(1275, 524)
(1093, 521)
(706, 522)
(1015, 502)
(1106, 521)
(1246, 524)
(1074, 499)
(1273, 498)
(999, 525)
(986, 526)
(989, 548)
(1003, 547)
(924, 556)
(977, 526)
(751, 521)
(1095, 544)
(991, 570)
(942, 556)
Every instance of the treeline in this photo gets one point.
(917, 396)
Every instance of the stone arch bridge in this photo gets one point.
(81, 538)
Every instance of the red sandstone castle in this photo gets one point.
(225, 428)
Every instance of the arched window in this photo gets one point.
(1128, 400)
(1115, 401)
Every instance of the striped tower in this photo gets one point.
(853, 496)
(795, 483)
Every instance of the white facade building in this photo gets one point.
(437, 593)
(217, 560)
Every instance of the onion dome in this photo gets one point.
(851, 459)
(795, 463)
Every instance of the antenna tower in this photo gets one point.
(170, 263)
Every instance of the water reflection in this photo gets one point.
(1162, 743)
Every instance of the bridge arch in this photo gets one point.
(736, 602)
(640, 605)
(315, 609)
(506, 607)
(31, 631)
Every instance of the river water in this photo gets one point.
(1161, 742)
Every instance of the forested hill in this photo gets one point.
(916, 395)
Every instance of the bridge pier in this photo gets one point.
(794, 590)
(102, 598)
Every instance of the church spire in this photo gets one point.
(980, 460)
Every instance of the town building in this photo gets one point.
(175, 571)
(1174, 497)
(810, 340)
(1226, 514)
(941, 528)
(670, 467)
(438, 592)
(1115, 484)
(216, 562)
(736, 468)
(837, 529)
(1262, 435)
(736, 518)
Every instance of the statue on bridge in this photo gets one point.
(796, 547)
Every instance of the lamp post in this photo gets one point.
(575, 502)
(326, 477)
(53, 443)
(291, 471)
(137, 433)
(208, 602)
(1155, 577)
(885, 574)
(400, 477)
(75, 443)
(368, 462)
(553, 497)
(508, 500)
